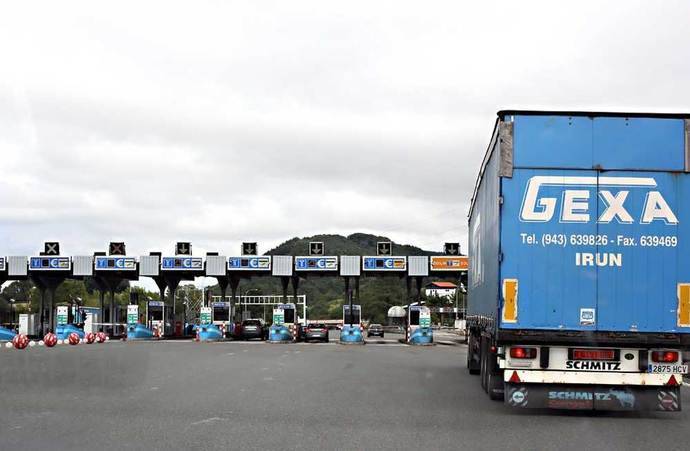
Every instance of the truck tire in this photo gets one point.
(495, 386)
(473, 365)
(483, 370)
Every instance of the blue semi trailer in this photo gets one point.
(579, 274)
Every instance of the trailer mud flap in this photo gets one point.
(592, 397)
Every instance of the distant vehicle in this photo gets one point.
(316, 331)
(375, 330)
(253, 328)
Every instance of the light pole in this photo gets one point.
(185, 304)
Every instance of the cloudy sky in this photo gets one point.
(221, 122)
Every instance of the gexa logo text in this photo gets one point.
(614, 192)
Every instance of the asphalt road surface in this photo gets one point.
(384, 395)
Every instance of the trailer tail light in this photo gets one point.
(665, 356)
(684, 304)
(594, 354)
(510, 299)
(518, 352)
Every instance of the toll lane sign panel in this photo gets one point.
(278, 316)
(61, 315)
(250, 263)
(448, 263)
(2, 264)
(44, 263)
(115, 263)
(182, 263)
(132, 314)
(316, 263)
(384, 263)
(205, 315)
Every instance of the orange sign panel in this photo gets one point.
(447, 263)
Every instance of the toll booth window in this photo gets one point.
(414, 318)
(221, 314)
(156, 314)
(289, 316)
(352, 319)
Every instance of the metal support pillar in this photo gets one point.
(357, 290)
(285, 282)
(50, 292)
(112, 319)
(41, 309)
(408, 289)
(234, 284)
(295, 287)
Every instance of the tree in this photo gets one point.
(70, 290)
(23, 292)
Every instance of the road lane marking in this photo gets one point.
(209, 420)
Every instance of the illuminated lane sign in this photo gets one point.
(205, 315)
(115, 263)
(2, 264)
(250, 263)
(448, 263)
(45, 263)
(316, 263)
(132, 314)
(384, 263)
(182, 263)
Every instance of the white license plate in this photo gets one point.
(667, 368)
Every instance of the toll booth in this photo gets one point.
(419, 330)
(136, 330)
(221, 314)
(158, 318)
(206, 330)
(64, 315)
(352, 331)
(285, 327)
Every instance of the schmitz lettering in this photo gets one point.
(592, 365)
(575, 202)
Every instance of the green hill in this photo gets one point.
(325, 295)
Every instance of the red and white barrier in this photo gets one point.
(50, 339)
(20, 341)
(73, 338)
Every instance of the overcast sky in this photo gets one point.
(221, 122)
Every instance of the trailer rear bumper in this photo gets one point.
(592, 397)
(590, 378)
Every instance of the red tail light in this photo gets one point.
(665, 356)
(518, 352)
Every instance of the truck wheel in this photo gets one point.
(472, 363)
(495, 386)
(483, 370)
